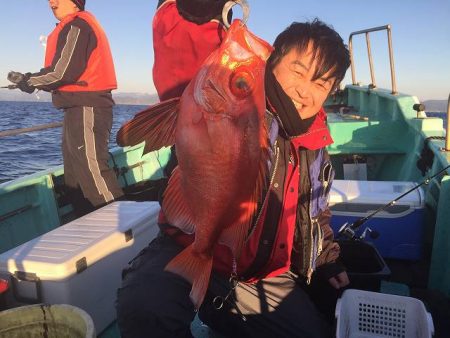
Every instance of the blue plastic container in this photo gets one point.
(400, 227)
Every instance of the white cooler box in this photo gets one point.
(80, 263)
(400, 226)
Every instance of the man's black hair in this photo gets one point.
(328, 47)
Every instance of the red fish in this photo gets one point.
(222, 149)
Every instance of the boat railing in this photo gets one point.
(14, 132)
(369, 52)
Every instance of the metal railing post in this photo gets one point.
(352, 63)
(391, 61)
(447, 138)
(369, 52)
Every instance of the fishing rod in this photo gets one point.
(14, 132)
(349, 230)
(14, 86)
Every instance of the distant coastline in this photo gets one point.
(147, 99)
(435, 105)
(41, 96)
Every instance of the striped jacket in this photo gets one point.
(79, 69)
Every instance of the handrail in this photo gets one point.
(13, 132)
(447, 138)
(391, 55)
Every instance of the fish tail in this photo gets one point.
(196, 269)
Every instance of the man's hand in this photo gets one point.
(200, 11)
(15, 77)
(21, 81)
(339, 281)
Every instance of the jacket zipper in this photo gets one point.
(305, 266)
(310, 270)
(313, 223)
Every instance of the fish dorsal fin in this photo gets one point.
(235, 235)
(154, 125)
(174, 205)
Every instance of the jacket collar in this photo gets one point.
(317, 136)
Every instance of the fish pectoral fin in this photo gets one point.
(174, 205)
(196, 269)
(154, 125)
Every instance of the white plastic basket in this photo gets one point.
(364, 314)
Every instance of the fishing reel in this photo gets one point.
(348, 230)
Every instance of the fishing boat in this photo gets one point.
(385, 147)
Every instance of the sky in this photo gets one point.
(420, 37)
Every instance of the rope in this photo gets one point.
(440, 138)
(435, 138)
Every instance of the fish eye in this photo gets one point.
(241, 83)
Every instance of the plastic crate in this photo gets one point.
(364, 314)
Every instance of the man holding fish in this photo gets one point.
(244, 221)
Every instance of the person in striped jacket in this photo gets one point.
(79, 72)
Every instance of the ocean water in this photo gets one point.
(27, 153)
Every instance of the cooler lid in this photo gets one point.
(67, 249)
(375, 192)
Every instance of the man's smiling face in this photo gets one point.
(295, 73)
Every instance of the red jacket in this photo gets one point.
(180, 48)
(301, 227)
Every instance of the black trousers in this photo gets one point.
(155, 303)
(86, 132)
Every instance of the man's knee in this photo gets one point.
(147, 310)
(134, 316)
(151, 301)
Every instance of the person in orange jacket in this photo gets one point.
(79, 72)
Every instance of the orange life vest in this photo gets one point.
(99, 73)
